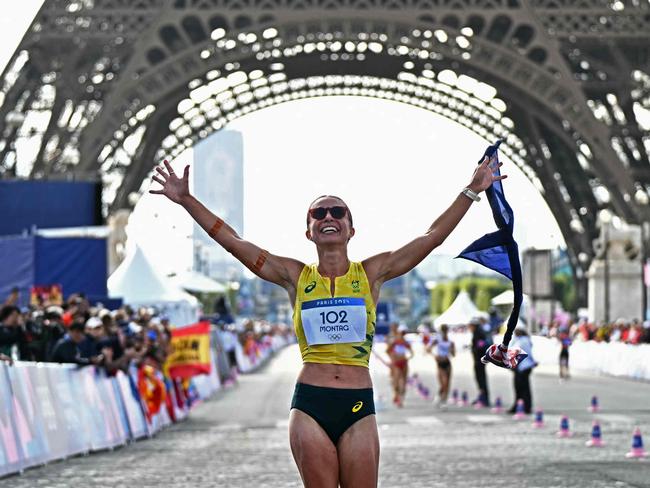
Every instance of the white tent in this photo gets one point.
(506, 298)
(139, 284)
(459, 313)
(197, 282)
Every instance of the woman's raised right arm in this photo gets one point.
(276, 269)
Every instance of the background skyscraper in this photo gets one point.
(219, 183)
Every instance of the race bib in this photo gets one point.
(334, 320)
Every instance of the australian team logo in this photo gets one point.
(310, 287)
(356, 287)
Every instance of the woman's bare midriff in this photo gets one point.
(335, 376)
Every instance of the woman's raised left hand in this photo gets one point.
(484, 175)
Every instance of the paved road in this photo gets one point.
(239, 438)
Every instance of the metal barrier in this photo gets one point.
(610, 358)
(53, 411)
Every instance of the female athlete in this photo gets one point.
(332, 427)
(445, 350)
(400, 352)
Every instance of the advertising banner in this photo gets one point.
(53, 425)
(68, 410)
(30, 430)
(132, 406)
(208, 384)
(98, 422)
(121, 409)
(51, 411)
(10, 455)
(116, 431)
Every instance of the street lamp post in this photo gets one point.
(645, 270)
(605, 216)
(606, 272)
(643, 199)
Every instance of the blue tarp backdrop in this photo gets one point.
(78, 264)
(48, 205)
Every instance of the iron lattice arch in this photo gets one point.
(105, 88)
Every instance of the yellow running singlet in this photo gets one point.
(339, 329)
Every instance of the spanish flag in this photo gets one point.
(190, 354)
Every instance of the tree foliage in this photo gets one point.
(564, 290)
(481, 291)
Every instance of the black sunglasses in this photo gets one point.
(319, 213)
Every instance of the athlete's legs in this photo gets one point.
(566, 368)
(403, 377)
(441, 381)
(564, 365)
(444, 374)
(358, 454)
(481, 381)
(313, 451)
(394, 381)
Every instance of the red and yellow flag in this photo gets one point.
(190, 354)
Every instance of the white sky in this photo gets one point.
(396, 166)
(14, 21)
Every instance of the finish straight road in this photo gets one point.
(240, 438)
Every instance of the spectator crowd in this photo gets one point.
(79, 333)
(622, 331)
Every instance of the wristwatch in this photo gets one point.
(471, 194)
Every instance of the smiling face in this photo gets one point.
(330, 229)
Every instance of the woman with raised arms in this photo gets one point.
(332, 426)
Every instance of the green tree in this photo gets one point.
(480, 289)
(483, 297)
(564, 290)
(436, 299)
(450, 292)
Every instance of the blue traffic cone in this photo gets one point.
(464, 399)
(498, 406)
(519, 410)
(637, 450)
(454, 397)
(594, 407)
(539, 419)
(564, 431)
(423, 390)
(596, 436)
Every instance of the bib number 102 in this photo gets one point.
(333, 317)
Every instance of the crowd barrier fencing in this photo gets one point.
(52, 411)
(258, 357)
(606, 358)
